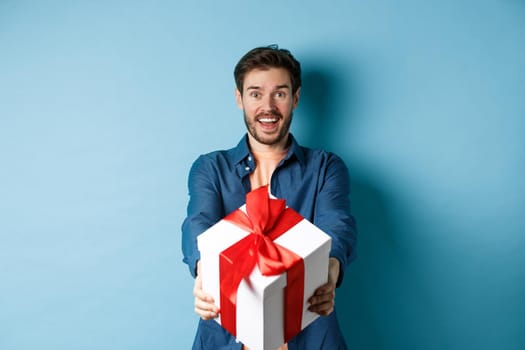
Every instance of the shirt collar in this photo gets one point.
(242, 151)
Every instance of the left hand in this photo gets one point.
(323, 300)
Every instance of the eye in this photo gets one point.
(255, 94)
(280, 94)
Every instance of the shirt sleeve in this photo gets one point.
(204, 208)
(333, 214)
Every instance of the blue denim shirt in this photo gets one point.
(314, 183)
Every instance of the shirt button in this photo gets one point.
(247, 168)
(249, 158)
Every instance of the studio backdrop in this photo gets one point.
(104, 105)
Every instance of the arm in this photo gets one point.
(332, 215)
(204, 210)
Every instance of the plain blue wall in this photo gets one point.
(105, 104)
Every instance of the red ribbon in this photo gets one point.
(266, 219)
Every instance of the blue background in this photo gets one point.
(105, 104)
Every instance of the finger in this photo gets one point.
(323, 309)
(206, 315)
(205, 306)
(206, 310)
(322, 295)
(321, 299)
(325, 289)
(198, 292)
(205, 303)
(202, 295)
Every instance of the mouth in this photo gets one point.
(268, 118)
(268, 123)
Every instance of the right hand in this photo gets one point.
(204, 304)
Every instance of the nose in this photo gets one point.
(268, 103)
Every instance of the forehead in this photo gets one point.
(267, 78)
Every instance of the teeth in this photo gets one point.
(267, 120)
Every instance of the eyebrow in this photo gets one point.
(278, 87)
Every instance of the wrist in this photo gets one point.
(333, 270)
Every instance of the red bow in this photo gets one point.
(266, 219)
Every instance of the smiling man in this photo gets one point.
(314, 183)
(268, 101)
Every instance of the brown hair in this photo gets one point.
(268, 57)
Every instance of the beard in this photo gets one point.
(266, 139)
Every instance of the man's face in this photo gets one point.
(268, 104)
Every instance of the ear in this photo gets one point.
(296, 97)
(238, 99)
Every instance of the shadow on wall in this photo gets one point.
(363, 297)
(414, 284)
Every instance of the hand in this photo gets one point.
(204, 304)
(323, 300)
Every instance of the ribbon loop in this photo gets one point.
(265, 219)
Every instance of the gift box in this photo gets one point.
(261, 263)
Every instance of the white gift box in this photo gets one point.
(260, 302)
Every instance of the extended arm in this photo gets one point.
(332, 215)
(204, 210)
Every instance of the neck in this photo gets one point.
(276, 149)
(267, 158)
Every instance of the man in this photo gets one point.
(314, 183)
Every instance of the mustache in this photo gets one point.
(272, 113)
